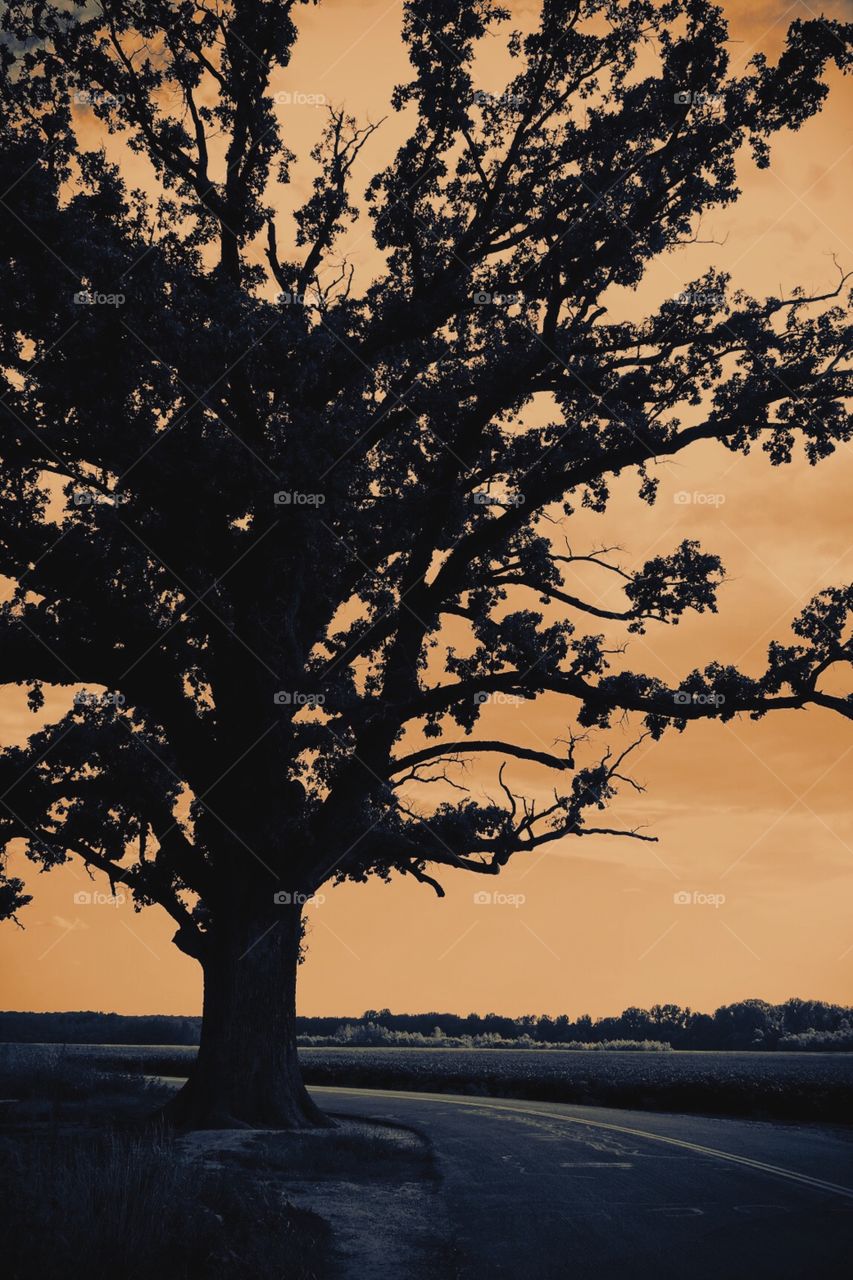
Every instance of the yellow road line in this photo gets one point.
(819, 1183)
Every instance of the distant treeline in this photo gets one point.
(87, 1027)
(747, 1024)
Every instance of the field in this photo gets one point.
(785, 1085)
(792, 1086)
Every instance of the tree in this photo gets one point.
(286, 532)
(584, 1028)
(748, 1024)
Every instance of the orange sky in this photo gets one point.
(758, 813)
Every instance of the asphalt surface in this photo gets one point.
(551, 1191)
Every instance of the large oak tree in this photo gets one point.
(288, 530)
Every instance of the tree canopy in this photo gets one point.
(289, 529)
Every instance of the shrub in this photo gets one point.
(820, 1041)
(368, 1035)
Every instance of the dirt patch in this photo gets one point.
(375, 1185)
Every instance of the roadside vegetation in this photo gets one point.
(54, 1085)
(87, 1205)
(97, 1188)
(94, 1190)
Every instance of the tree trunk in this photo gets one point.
(247, 1071)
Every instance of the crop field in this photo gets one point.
(793, 1086)
(786, 1085)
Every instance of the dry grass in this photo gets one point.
(359, 1151)
(50, 1084)
(109, 1206)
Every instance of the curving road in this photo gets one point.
(550, 1191)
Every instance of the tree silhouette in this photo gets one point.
(287, 532)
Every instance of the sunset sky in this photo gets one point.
(756, 813)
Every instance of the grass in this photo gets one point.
(84, 1206)
(358, 1151)
(55, 1084)
(93, 1193)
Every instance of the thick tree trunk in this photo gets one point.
(247, 1070)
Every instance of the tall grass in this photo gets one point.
(130, 1207)
(44, 1071)
(53, 1084)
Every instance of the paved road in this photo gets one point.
(546, 1191)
